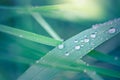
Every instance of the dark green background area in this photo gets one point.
(16, 54)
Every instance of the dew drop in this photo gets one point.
(37, 61)
(85, 70)
(93, 35)
(82, 45)
(61, 46)
(67, 54)
(77, 47)
(94, 73)
(112, 30)
(20, 35)
(86, 40)
(76, 41)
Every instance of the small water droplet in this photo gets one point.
(86, 40)
(20, 35)
(82, 45)
(85, 70)
(77, 47)
(87, 64)
(37, 61)
(67, 54)
(61, 46)
(112, 30)
(93, 35)
(82, 41)
(76, 41)
(116, 58)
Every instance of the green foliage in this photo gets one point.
(73, 59)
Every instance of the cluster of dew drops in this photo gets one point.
(111, 30)
(86, 40)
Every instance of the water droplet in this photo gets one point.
(20, 35)
(93, 35)
(87, 64)
(76, 41)
(85, 70)
(37, 61)
(82, 41)
(86, 40)
(112, 30)
(61, 46)
(67, 54)
(82, 45)
(77, 47)
(116, 58)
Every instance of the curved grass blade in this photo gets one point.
(29, 35)
(78, 46)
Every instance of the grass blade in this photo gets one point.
(70, 51)
(29, 35)
(104, 57)
(46, 26)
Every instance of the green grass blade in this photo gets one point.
(29, 35)
(78, 46)
(74, 66)
(46, 26)
(104, 57)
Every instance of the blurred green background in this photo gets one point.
(16, 54)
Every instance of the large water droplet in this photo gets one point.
(77, 47)
(61, 46)
(93, 35)
(86, 40)
(112, 30)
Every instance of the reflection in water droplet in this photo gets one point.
(61, 46)
(77, 47)
(112, 30)
(93, 35)
(86, 40)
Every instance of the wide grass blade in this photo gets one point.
(72, 50)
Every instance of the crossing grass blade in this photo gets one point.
(29, 35)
